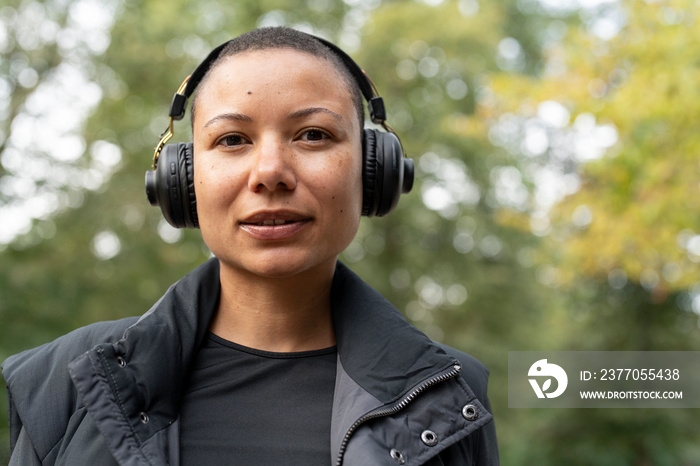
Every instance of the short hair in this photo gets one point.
(280, 37)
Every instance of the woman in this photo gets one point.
(272, 352)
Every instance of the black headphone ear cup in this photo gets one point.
(383, 173)
(186, 159)
(369, 172)
(171, 185)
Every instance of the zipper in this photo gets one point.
(405, 401)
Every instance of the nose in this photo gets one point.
(272, 168)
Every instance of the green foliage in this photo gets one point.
(643, 195)
(619, 249)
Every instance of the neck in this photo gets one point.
(275, 314)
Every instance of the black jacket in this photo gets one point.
(109, 393)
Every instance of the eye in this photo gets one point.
(232, 140)
(314, 135)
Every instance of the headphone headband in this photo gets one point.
(177, 107)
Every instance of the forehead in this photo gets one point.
(335, 69)
(278, 67)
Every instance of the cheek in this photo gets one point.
(212, 191)
(202, 185)
(202, 191)
(347, 187)
(200, 173)
(212, 179)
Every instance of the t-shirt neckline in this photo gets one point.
(270, 354)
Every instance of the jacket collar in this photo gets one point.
(377, 347)
(365, 324)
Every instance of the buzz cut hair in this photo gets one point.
(280, 37)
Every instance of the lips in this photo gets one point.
(275, 222)
(275, 226)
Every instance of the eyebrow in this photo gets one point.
(229, 117)
(292, 116)
(310, 111)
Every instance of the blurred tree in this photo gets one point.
(634, 217)
(610, 125)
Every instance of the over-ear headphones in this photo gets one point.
(386, 172)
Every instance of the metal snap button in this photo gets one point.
(429, 438)
(397, 456)
(143, 417)
(121, 361)
(469, 412)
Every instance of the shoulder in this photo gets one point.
(39, 377)
(64, 349)
(482, 448)
(474, 372)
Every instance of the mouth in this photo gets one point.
(272, 226)
(270, 223)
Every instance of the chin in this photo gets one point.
(278, 265)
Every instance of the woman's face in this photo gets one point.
(277, 163)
